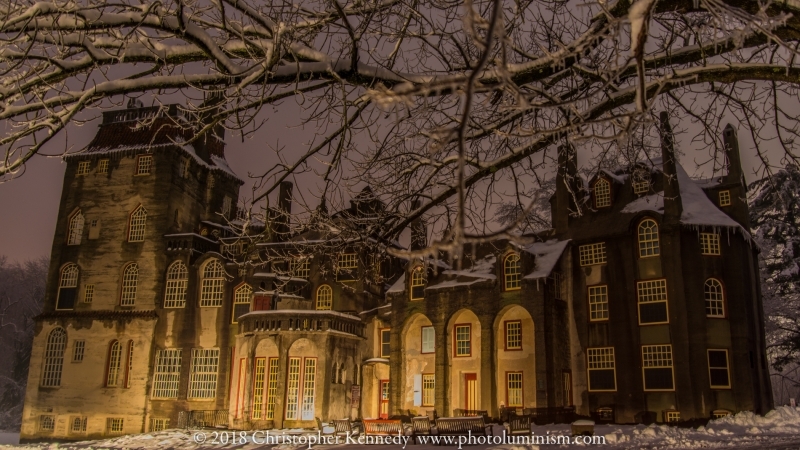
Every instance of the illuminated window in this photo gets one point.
(113, 364)
(54, 357)
(143, 164)
(709, 243)
(88, 293)
(652, 299)
(300, 268)
(272, 388)
(292, 388)
(428, 389)
(602, 193)
(720, 413)
(428, 340)
(514, 335)
(130, 281)
(77, 425)
(648, 238)
(301, 389)
(83, 168)
(715, 298)
(463, 335)
(418, 283)
(78, 350)
(102, 166)
(324, 297)
(241, 301)
(602, 369)
(512, 272)
(672, 416)
(309, 387)
(724, 198)
(177, 280)
(114, 425)
(136, 224)
(75, 232)
(657, 367)
(640, 182)
(514, 389)
(258, 387)
(598, 303)
(47, 423)
(718, 371)
(347, 267)
(203, 377)
(386, 342)
(592, 254)
(158, 424)
(212, 286)
(67, 287)
(167, 374)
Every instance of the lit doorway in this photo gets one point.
(471, 391)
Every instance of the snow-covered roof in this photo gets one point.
(546, 255)
(619, 179)
(398, 286)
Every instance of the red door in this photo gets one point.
(383, 402)
(471, 391)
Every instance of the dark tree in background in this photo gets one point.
(21, 297)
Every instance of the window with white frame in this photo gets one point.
(213, 284)
(720, 413)
(602, 369)
(309, 389)
(652, 301)
(177, 281)
(463, 334)
(88, 293)
(78, 425)
(324, 297)
(226, 207)
(102, 166)
(241, 301)
(657, 367)
(293, 389)
(602, 193)
(512, 272)
(718, 370)
(67, 286)
(144, 163)
(75, 233)
(137, 224)
(514, 389)
(113, 364)
(130, 282)
(158, 424)
(54, 357)
(709, 243)
(598, 303)
(300, 268)
(715, 298)
(129, 367)
(513, 335)
(114, 425)
(428, 340)
(428, 389)
(167, 373)
(648, 238)
(386, 342)
(672, 416)
(724, 198)
(78, 350)
(592, 254)
(272, 388)
(47, 423)
(203, 376)
(258, 387)
(83, 168)
(418, 283)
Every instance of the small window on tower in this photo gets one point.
(143, 164)
(724, 198)
(102, 166)
(88, 293)
(602, 193)
(83, 168)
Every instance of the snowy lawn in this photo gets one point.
(779, 429)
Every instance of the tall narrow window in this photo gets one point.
(177, 280)
(226, 207)
(463, 341)
(718, 371)
(513, 335)
(309, 386)
(602, 193)
(428, 389)
(324, 297)
(292, 389)
(67, 286)
(54, 357)
(258, 387)
(212, 287)
(709, 244)
(272, 388)
(203, 377)
(514, 389)
(167, 374)
(136, 224)
(418, 283)
(657, 367)
(144, 163)
(129, 367)
(88, 293)
(75, 232)
(386, 339)
(241, 301)
(130, 281)
(715, 298)
(648, 238)
(428, 340)
(113, 363)
(602, 369)
(652, 297)
(598, 303)
(78, 350)
(512, 272)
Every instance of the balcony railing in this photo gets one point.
(190, 241)
(301, 320)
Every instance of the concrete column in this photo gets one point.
(488, 381)
(442, 371)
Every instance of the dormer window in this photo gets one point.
(640, 182)
(418, 283)
(602, 193)
(724, 198)
(143, 164)
(512, 272)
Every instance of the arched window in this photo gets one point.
(648, 238)
(75, 228)
(113, 363)
(129, 367)
(241, 301)
(213, 284)
(136, 224)
(130, 280)
(602, 193)
(177, 279)
(512, 272)
(54, 357)
(418, 283)
(715, 298)
(67, 287)
(324, 297)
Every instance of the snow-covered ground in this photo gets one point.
(779, 429)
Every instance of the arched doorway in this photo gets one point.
(419, 365)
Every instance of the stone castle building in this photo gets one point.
(646, 306)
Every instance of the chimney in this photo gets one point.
(284, 209)
(733, 162)
(566, 182)
(673, 207)
(419, 232)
